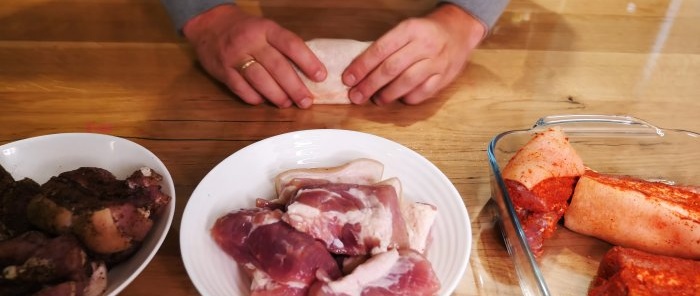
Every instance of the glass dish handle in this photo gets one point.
(598, 119)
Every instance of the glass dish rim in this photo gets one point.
(627, 124)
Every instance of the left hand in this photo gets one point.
(415, 59)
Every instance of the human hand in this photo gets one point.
(227, 39)
(415, 59)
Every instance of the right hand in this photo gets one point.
(225, 38)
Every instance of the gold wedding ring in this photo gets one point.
(246, 64)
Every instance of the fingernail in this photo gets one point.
(350, 80)
(305, 103)
(355, 96)
(320, 75)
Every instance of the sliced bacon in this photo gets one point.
(404, 272)
(419, 218)
(285, 244)
(350, 219)
(362, 171)
(280, 260)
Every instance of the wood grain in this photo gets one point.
(119, 67)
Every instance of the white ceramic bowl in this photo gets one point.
(247, 174)
(42, 157)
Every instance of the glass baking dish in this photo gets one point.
(609, 144)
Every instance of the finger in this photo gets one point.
(377, 52)
(387, 71)
(424, 91)
(260, 79)
(229, 76)
(411, 78)
(294, 48)
(241, 88)
(281, 70)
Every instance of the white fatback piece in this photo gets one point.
(336, 55)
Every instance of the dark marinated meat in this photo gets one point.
(90, 188)
(110, 216)
(13, 207)
(86, 207)
(5, 179)
(44, 263)
(17, 250)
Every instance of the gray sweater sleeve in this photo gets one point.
(181, 11)
(488, 11)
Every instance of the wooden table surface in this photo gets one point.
(118, 67)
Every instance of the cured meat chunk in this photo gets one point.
(14, 200)
(280, 260)
(626, 271)
(109, 216)
(631, 212)
(33, 263)
(336, 55)
(404, 272)
(540, 178)
(5, 179)
(350, 219)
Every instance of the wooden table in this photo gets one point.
(118, 67)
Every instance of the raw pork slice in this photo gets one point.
(649, 216)
(419, 218)
(280, 260)
(363, 171)
(404, 272)
(540, 179)
(350, 219)
(625, 271)
(336, 55)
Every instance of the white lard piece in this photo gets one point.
(336, 55)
